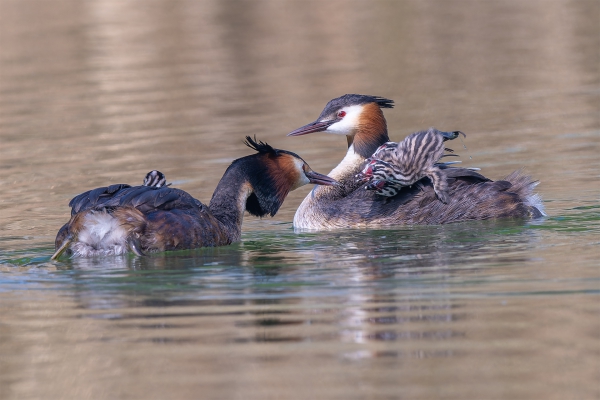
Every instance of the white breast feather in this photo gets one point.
(102, 235)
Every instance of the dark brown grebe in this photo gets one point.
(153, 217)
(470, 196)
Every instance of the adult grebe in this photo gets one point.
(154, 217)
(471, 196)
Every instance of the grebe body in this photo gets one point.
(154, 217)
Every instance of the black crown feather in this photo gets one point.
(259, 146)
(383, 102)
(352, 100)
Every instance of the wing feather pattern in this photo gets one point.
(144, 198)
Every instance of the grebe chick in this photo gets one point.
(120, 218)
(155, 179)
(471, 196)
(395, 165)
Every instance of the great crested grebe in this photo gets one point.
(120, 218)
(155, 179)
(395, 165)
(471, 196)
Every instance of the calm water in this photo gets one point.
(100, 92)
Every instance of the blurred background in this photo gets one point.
(100, 92)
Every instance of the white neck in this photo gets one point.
(309, 215)
(348, 165)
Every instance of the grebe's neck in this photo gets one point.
(371, 131)
(258, 184)
(345, 173)
(228, 201)
(349, 166)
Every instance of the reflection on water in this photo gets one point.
(322, 304)
(93, 93)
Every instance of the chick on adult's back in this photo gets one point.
(154, 217)
(396, 165)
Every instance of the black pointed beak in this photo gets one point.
(320, 179)
(452, 135)
(317, 126)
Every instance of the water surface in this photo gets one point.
(94, 93)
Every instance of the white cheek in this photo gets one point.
(349, 124)
(344, 127)
(302, 180)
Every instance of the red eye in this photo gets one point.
(341, 114)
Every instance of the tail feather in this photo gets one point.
(101, 232)
(524, 185)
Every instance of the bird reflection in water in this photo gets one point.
(350, 286)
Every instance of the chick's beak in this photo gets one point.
(317, 126)
(320, 179)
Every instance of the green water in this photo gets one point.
(504, 302)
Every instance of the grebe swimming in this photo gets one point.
(470, 195)
(154, 217)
